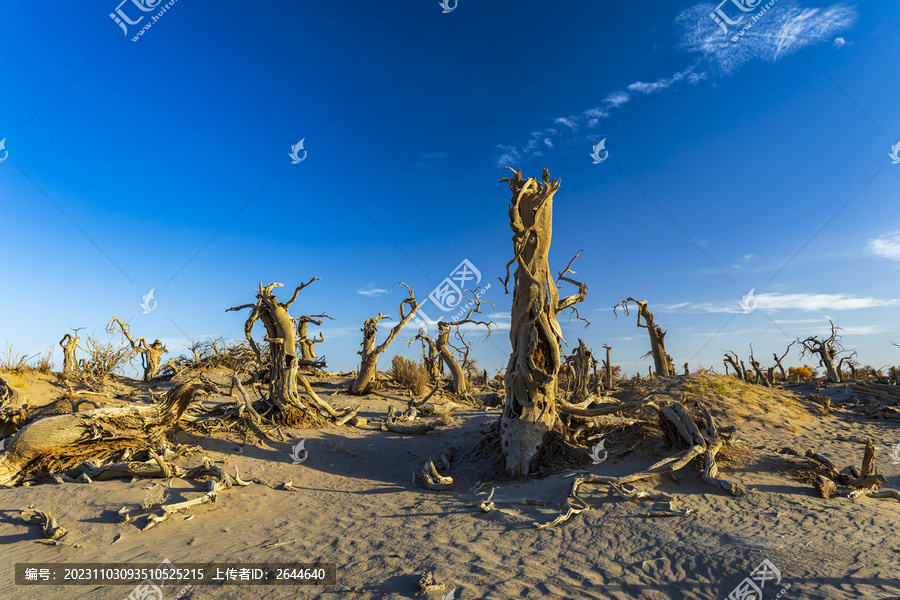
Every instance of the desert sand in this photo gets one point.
(355, 504)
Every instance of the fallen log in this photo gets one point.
(55, 443)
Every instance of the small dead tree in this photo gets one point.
(69, 344)
(530, 411)
(607, 368)
(662, 361)
(580, 362)
(731, 358)
(459, 383)
(850, 359)
(760, 377)
(306, 343)
(151, 355)
(779, 359)
(430, 358)
(283, 361)
(367, 379)
(827, 350)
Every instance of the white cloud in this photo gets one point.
(548, 143)
(780, 31)
(839, 41)
(567, 122)
(509, 156)
(887, 245)
(775, 302)
(371, 290)
(617, 99)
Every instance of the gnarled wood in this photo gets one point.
(151, 354)
(662, 362)
(367, 378)
(63, 438)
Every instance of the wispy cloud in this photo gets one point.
(782, 30)
(887, 245)
(776, 302)
(371, 290)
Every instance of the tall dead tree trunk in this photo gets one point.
(607, 368)
(662, 362)
(69, 345)
(367, 379)
(283, 362)
(307, 353)
(530, 412)
(430, 358)
(826, 350)
(151, 355)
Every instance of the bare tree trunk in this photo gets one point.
(607, 368)
(431, 358)
(308, 357)
(367, 379)
(778, 360)
(151, 355)
(530, 413)
(283, 374)
(760, 378)
(459, 382)
(826, 350)
(580, 362)
(661, 361)
(69, 345)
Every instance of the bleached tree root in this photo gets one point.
(677, 424)
(397, 423)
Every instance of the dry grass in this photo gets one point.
(155, 495)
(13, 362)
(410, 374)
(729, 399)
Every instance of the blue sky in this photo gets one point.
(163, 163)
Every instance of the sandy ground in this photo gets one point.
(355, 506)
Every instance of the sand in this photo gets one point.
(356, 506)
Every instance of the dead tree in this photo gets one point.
(607, 368)
(580, 362)
(151, 355)
(827, 350)
(283, 361)
(459, 383)
(69, 345)
(731, 358)
(760, 377)
(778, 360)
(306, 343)
(367, 379)
(530, 411)
(851, 363)
(430, 357)
(662, 361)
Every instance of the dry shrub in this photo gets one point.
(13, 362)
(155, 495)
(803, 372)
(409, 374)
